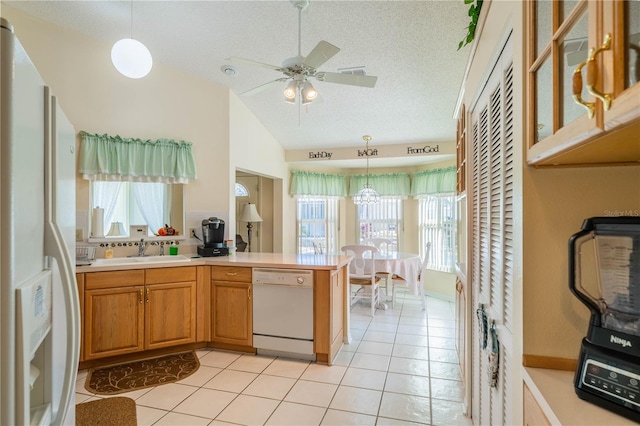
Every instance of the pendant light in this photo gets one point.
(130, 57)
(367, 195)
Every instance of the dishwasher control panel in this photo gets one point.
(290, 277)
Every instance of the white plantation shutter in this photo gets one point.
(491, 228)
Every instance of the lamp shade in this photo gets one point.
(250, 214)
(116, 230)
(131, 58)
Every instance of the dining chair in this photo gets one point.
(398, 281)
(384, 246)
(362, 275)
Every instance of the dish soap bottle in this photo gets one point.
(108, 253)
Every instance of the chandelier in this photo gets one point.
(367, 195)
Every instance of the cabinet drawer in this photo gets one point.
(231, 273)
(95, 280)
(171, 275)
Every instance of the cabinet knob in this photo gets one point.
(147, 294)
(249, 292)
(141, 296)
(592, 73)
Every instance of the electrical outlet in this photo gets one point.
(79, 234)
(192, 232)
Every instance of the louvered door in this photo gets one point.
(491, 228)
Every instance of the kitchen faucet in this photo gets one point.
(142, 246)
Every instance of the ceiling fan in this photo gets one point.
(298, 69)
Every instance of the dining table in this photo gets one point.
(403, 264)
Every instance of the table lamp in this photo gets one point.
(249, 215)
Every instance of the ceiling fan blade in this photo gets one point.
(320, 54)
(262, 87)
(351, 79)
(255, 63)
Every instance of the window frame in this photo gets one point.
(437, 224)
(397, 204)
(331, 223)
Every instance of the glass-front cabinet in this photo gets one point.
(584, 96)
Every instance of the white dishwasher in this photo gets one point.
(283, 312)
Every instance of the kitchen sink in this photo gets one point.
(138, 260)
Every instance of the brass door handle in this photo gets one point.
(141, 296)
(231, 274)
(459, 286)
(592, 73)
(577, 90)
(249, 293)
(147, 294)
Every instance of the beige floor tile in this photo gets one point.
(357, 334)
(357, 400)
(284, 367)
(442, 332)
(405, 407)
(370, 361)
(341, 418)
(201, 376)
(409, 366)
(292, 414)
(443, 323)
(219, 359)
(270, 387)
(421, 330)
(148, 416)
(413, 321)
(166, 397)
(445, 370)
(251, 363)
(324, 373)
(311, 393)
(361, 378)
(376, 348)
(442, 343)
(443, 355)
(447, 413)
(248, 410)
(82, 397)
(173, 419)
(357, 324)
(133, 394)
(450, 390)
(379, 336)
(205, 403)
(409, 351)
(343, 358)
(81, 389)
(231, 381)
(407, 384)
(383, 421)
(412, 340)
(388, 327)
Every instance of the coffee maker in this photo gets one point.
(213, 238)
(604, 274)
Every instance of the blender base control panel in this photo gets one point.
(618, 384)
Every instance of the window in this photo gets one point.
(437, 224)
(317, 224)
(133, 203)
(381, 220)
(241, 190)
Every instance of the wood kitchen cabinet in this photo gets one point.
(135, 310)
(232, 322)
(80, 286)
(584, 90)
(533, 414)
(329, 303)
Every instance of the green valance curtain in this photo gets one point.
(114, 158)
(436, 181)
(318, 184)
(387, 185)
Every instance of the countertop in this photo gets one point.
(554, 392)
(270, 260)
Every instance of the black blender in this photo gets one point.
(604, 273)
(213, 238)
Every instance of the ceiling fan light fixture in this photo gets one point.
(290, 91)
(309, 93)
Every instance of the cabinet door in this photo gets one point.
(337, 312)
(232, 313)
(170, 314)
(113, 321)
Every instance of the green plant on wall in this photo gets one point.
(474, 13)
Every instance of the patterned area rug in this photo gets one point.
(121, 378)
(114, 411)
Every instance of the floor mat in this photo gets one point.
(146, 373)
(117, 411)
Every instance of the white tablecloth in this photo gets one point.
(405, 265)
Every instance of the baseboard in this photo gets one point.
(549, 362)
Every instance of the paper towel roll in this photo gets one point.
(97, 223)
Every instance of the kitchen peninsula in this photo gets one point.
(136, 310)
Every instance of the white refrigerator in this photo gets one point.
(39, 306)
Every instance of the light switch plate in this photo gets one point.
(79, 234)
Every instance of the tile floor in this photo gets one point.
(400, 369)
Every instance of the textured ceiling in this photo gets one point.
(411, 46)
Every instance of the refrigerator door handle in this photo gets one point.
(54, 246)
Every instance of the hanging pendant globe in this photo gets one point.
(367, 195)
(131, 58)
